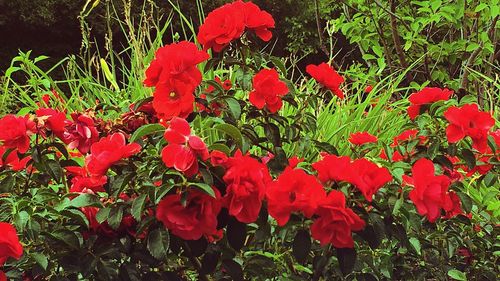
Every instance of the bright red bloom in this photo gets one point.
(2, 276)
(15, 132)
(246, 179)
(396, 156)
(427, 95)
(367, 177)
(327, 76)
(293, 191)
(469, 121)
(332, 168)
(335, 222)
(268, 90)
(54, 120)
(361, 138)
(80, 133)
(83, 182)
(430, 192)
(456, 207)
(9, 243)
(12, 160)
(183, 148)
(258, 21)
(107, 151)
(196, 218)
(368, 89)
(408, 135)
(218, 158)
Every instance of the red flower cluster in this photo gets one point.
(327, 76)
(360, 138)
(426, 96)
(80, 133)
(175, 76)
(9, 243)
(335, 222)
(195, 218)
(228, 23)
(15, 132)
(268, 90)
(246, 179)
(430, 192)
(183, 148)
(469, 121)
(83, 182)
(12, 159)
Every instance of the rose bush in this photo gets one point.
(198, 182)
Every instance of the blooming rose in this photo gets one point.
(360, 138)
(218, 158)
(246, 179)
(268, 90)
(427, 95)
(469, 121)
(456, 207)
(2, 276)
(367, 177)
(332, 168)
(183, 148)
(107, 151)
(53, 119)
(335, 222)
(430, 192)
(327, 76)
(12, 160)
(258, 21)
(80, 133)
(192, 220)
(9, 243)
(83, 182)
(15, 132)
(293, 191)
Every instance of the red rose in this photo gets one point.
(107, 151)
(367, 177)
(293, 191)
(183, 148)
(246, 180)
(15, 132)
(327, 76)
(430, 192)
(258, 21)
(192, 220)
(2, 276)
(82, 182)
(407, 135)
(332, 168)
(361, 138)
(9, 243)
(12, 160)
(218, 158)
(456, 208)
(80, 133)
(268, 90)
(335, 222)
(427, 95)
(55, 120)
(469, 121)
(368, 89)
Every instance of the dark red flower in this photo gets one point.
(183, 148)
(107, 151)
(12, 160)
(332, 168)
(218, 158)
(268, 90)
(246, 179)
(430, 192)
(192, 220)
(15, 132)
(335, 222)
(80, 133)
(469, 121)
(293, 191)
(361, 138)
(9, 243)
(367, 177)
(427, 95)
(327, 76)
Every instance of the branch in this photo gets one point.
(397, 41)
(392, 14)
(320, 34)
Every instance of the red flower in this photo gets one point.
(107, 151)
(218, 158)
(408, 135)
(55, 120)
(332, 168)
(367, 177)
(396, 156)
(183, 148)
(469, 121)
(430, 192)
(80, 133)
(327, 76)
(293, 191)
(192, 220)
(9, 243)
(246, 180)
(268, 90)
(2, 276)
(456, 206)
(427, 95)
(82, 182)
(361, 138)
(336, 222)
(12, 159)
(258, 21)
(174, 74)
(15, 132)
(368, 89)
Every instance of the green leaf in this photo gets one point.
(138, 207)
(158, 243)
(232, 131)
(472, 47)
(279, 64)
(234, 107)
(203, 187)
(85, 200)
(347, 259)
(41, 260)
(466, 202)
(102, 215)
(115, 217)
(54, 169)
(7, 183)
(469, 158)
(415, 243)
(457, 275)
(301, 245)
(145, 130)
(490, 179)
